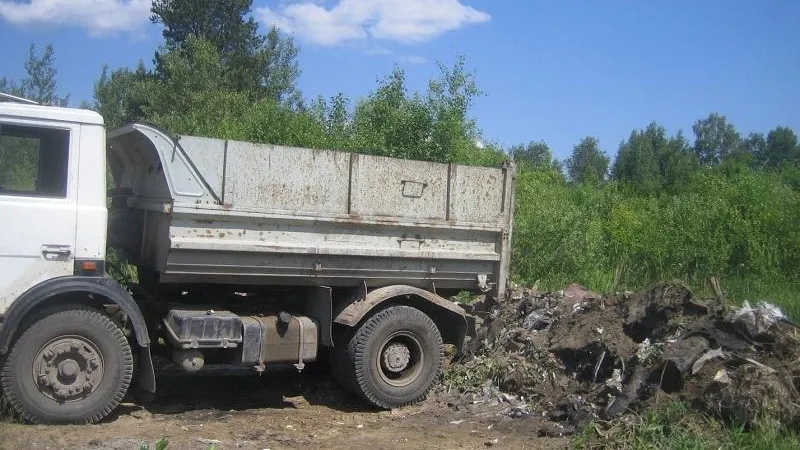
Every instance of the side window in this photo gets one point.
(33, 161)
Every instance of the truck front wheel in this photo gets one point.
(71, 365)
(396, 356)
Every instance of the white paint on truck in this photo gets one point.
(53, 207)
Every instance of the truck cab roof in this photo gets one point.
(74, 115)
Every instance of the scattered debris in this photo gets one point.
(758, 321)
(574, 356)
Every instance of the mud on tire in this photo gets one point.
(71, 365)
(393, 358)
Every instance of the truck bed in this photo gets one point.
(202, 210)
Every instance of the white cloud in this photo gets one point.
(98, 17)
(350, 20)
(413, 59)
(378, 51)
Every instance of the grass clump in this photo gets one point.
(160, 444)
(677, 427)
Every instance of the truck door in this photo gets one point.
(38, 204)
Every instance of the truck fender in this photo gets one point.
(103, 287)
(453, 322)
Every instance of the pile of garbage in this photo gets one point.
(574, 356)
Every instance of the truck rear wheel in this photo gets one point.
(396, 355)
(71, 365)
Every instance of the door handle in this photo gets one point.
(58, 252)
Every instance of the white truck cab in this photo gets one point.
(64, 357)
(52, 195)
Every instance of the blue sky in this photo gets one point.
(551, 70)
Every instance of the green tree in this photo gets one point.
(715, 139)
(280, 69)
(449, 99)
(262, 66)
(433, 127)
(651, 161)
(677, 163)
(9, 86)
(751, 151)
(335, 118)
(536, 155)
(40, 82)
(587, 163)
(189, 96)
(119, 95)
(392, 123)
(781, 148)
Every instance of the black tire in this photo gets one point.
(375, 357)
(46, 376)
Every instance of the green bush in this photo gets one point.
(743, 225)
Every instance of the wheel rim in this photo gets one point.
(68, 368)
(400, 359)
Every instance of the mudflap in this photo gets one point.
(146, 376)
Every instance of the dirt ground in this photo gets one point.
(283, 411)
(541, 366)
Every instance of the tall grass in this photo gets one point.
(675, 426)
(743, 227)
(785, 294)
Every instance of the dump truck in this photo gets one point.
(243, 255)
